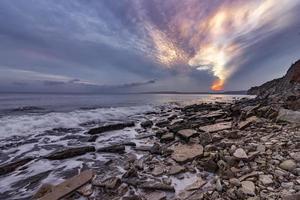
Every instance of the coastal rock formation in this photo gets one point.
(284, 90)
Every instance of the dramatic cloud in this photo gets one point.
(182, 45)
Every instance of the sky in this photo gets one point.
(99, 46)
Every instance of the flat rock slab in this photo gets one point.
(70, 152)
(110, 127)
(112, 149)
(12, 166)
(196, 185)
(186, 133)
(216, 127)
(156, 196)
(289, 116)
(248, 122)
(61, 190)
(156, 186)
(184, 153)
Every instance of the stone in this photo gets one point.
(86, 190)
(156, 196)
(266, 179)
(167, 137)
(147, 124)
(184, 153)
(12, 166)
(112, 149)
(176, 169)
(109, 183)
(289, 116)
(110, 127)
(186, 134)
(43, 190)
(235, 182)
(216, 127)
(196, 185)
(291, 197)
(240, 154)
(296, 156)
(70, 152)
(248, 188)
(156, 186)
(288, 165)
(248, 122)
(158, 170)
(68, 186)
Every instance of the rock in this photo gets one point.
(156, 186)
(240, 154)
(162, 123)
(147, 124)
(158, 170)
(167, 137)
(86, 190)
(196, 185)
(176, 169)
(291, 197)
(156, 196)
(186, 133)
(248, 188)
(296, 156)
(132, 172)
(288, 165)
(109, 183)
(70, 152)
(112, 149)
(235, 182)
(289, 116)
(12, 166)
(266, 179)
(68, 186)
(248, 122)
(110, 127)
(184, 153)
(43, 190)
(219, 186)
(216, 127)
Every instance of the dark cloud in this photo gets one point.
(95, 45)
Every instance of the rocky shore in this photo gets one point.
(246, 149)
(239, 150)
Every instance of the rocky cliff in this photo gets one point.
(284, 90)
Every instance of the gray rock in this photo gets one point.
(266, 179)
(216, 127)
(289, 116)
(248, 188)
(147, 124)
(184, 153)
(186, 133)
(240, 154)
(288, 165)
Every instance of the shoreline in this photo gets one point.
(200, 151)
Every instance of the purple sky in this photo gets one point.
(145, 45)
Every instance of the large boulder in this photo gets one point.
(184, 153)
(289, 116)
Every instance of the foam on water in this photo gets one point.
(34, 124)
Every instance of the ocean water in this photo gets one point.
(26, 114)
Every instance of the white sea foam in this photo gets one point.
(35, 124)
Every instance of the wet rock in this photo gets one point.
(12, 166)
(156, 186)
(292, 197)
(132, 172)
(42, 191)
(240, 154)
(196, 185)
(143, 136)
(248, 122)
(186, 134)
(184, 153)
(112, 149)
(216, 127)
(86, 190)
(156, 196)
(288, 165)
(109, 183)
(31, 182)
(289, 116)
(162, 123)
(248, 188)
(266, 179)
(167, 137)
(70, 152)
(69, 186)
(176, 169)
(147, 124)
(110, 127)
